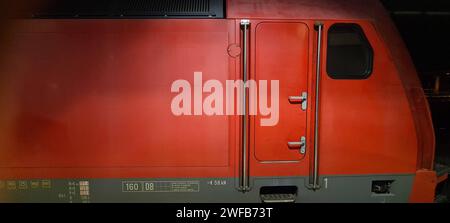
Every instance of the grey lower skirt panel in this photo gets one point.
(204, 190)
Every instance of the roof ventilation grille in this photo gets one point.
(114, 9)
(166, 7)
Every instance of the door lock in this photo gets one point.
(301, 145)
(303, 99)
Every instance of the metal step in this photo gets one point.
(278, 198)
(441, 169)
(441, 172)
(441, 199)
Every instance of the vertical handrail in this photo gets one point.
(244, 184)
(315, 178)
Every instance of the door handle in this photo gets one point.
(303, 99)
(301, 145)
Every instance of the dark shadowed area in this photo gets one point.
(424, 26)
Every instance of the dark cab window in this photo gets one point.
(349, 54)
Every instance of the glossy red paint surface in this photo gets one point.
(393, 48)
(371, 115)
(91, 98)
(281, 53)
(91, 95)
(424, 187)
(304, 9)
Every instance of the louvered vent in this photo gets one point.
(131, 9)
(166, 7)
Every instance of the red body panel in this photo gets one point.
(96, 94)
(392, 45)
(372, 115)
(424, 187)
(286, 61)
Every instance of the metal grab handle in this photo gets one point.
(296, 99)
(315, 177)
(300, 100)
(244, 178)
(301, 145)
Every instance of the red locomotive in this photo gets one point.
(153, 104)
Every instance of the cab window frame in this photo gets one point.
(369, 62)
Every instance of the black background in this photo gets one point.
(425, 28)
